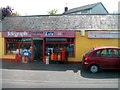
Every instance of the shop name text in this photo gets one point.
(17, 34)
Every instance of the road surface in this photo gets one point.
(56, 76)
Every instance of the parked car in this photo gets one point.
(102, 58)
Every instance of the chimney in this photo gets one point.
(66, 9)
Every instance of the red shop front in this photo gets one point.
(40, 43)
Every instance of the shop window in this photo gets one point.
(56, 45)
(25, 46)
(12, 48)
(69, 48)
(56, 39)
(19, 40)
(70, 39)
(16, 45)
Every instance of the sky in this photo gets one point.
(41, 7)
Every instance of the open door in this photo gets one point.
(37, 50)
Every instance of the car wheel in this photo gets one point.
(94, 68)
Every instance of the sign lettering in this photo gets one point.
(17, 34)
(49, 33)
(38, 34)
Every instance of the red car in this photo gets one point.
(102, 58)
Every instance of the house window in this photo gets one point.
(85, 12)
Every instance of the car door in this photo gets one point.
(116, 57)
(119, 59)
(107, 60)
(100, 58)
(96, 58)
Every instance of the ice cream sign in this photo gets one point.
(17, 34)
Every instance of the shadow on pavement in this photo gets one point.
(101, 74)
(39, 66)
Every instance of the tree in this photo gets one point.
(6, 11)
(15, 13)
(52, 12)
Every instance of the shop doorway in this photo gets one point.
(38, 50)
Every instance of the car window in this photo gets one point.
(109, 52)
(97, 53)
(116, 53)
(89, 51)
(106, 53)
(103, 53)
(119, 53)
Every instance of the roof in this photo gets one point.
(86, 7)
(0, 25)
(61, 22)
(106, 47)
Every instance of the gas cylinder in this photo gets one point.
(63, 54)
(55, 56)
(51, 57)
(59, 56)
(23, 59)
(26, 59)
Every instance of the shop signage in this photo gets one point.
(103, 34)
(36, 33)
(17, 34)
(39, 34)
(22, 34)
(49, 33)
(59, 33)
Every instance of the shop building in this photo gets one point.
(40, 43)
(48, 35)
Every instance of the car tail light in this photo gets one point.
(84, 58)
